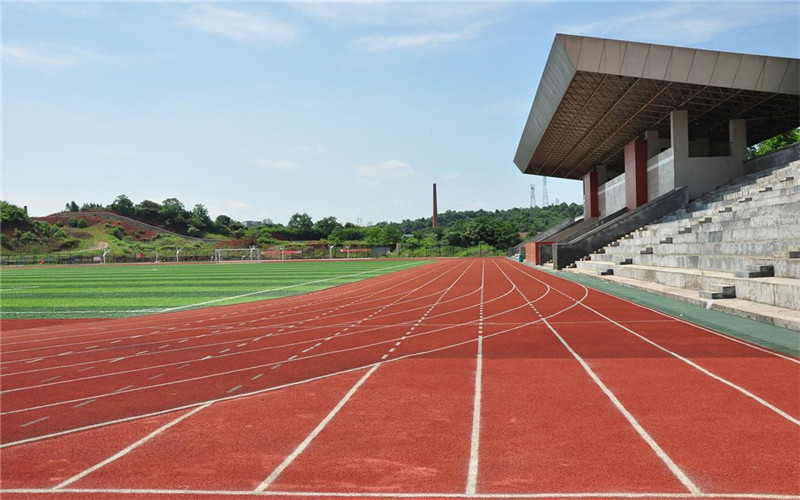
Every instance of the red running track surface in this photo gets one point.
(462, 378)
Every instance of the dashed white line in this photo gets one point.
(34, 421)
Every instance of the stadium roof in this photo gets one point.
(596, 95)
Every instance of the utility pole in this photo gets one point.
(435, 211)
(545, 200)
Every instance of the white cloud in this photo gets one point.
(276, 164)
(398, 13)
(307, 148)
(241, 26)
(392, 169)
(684, 23)
(383, 43)
(50, 57)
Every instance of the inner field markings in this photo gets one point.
(144, 401)
(303, 381)
(261, 307)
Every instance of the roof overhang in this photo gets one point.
(596, 95)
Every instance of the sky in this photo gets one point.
(265, 109)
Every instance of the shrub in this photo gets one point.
(81, 223)
(72, 222)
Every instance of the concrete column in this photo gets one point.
(635, 174)
(653, 143)
(679, 136)
(591, 204)
(737, 134)
(602, 174)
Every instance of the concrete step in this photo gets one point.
(756, 272)
(778, 292)
(719, 291)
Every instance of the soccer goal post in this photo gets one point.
(237, 254)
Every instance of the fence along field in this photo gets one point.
(121, 291)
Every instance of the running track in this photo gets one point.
(462, 378)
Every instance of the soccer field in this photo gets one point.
(120, 291)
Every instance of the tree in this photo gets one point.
(383, 236)
(325, 226)
(148, 211)
(774, 143)
(172, 214)
(12, 214)
(122, 205)
(301, 222)
(199, 219)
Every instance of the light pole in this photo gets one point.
(348, 250)
(330, 250)
(177, 252)
(105, 252)
(156, 252)
(281, 253)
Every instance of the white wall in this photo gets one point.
(660, 174)
(707, 174)
(611, 196)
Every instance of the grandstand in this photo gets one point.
(659, 136)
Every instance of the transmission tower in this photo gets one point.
(545, 200)
(533, 196)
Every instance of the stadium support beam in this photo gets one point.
(737, 135)
(635, 174)
(591, 207)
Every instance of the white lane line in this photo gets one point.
(116, 359)
(34, 421)
(36, 360)
(373, 494)
(673, 467)
(257, 376)
(377, 326)
(86, 369)
(694, 365)
(51, 379)
(472, 471)
(156, 376)
(84, 403)
(302, 446)
(123, 388)
(234, 389)
(512, 328)
(169, 309)
(128, 449)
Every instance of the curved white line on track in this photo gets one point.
(239, 370)
(687, 361)
(268, 348)
(300, 382)
(278, 302)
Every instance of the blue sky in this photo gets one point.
(262, 109)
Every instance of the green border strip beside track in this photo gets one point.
(772, 337)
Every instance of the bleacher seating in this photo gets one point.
(742, 239)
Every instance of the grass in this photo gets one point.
(121, 291)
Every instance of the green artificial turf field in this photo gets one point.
(119, 291)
